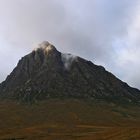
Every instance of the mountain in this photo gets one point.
(47, 73)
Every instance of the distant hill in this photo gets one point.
(47, 73)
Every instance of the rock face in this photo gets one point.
(47, 73)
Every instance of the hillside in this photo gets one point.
(69, 120)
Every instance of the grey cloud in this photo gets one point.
(91, 29)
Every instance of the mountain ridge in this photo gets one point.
(47, 73)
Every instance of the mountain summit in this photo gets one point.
(46, 47)
(48, 73)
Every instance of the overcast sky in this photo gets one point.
(106, 32)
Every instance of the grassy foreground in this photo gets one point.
(71, 119)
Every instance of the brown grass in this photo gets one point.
(69, 120)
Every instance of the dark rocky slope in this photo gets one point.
(47, 73)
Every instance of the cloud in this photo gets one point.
(104, 31)
(129, 52)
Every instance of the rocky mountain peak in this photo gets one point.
(46, 47)
(45, 50)
(48, 73)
